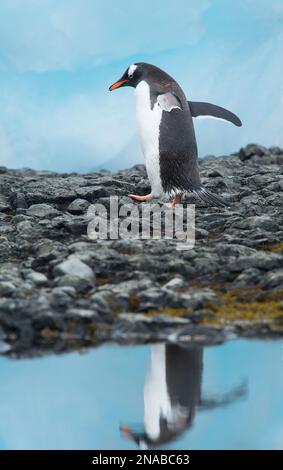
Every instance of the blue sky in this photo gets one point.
(58, 57)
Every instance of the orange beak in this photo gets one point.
(127, 432)
(117, 84)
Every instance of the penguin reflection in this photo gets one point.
(172, 394)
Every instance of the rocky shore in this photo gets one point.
(59, 290)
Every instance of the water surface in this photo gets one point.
(224, 397)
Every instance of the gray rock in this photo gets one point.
(25, 228)
(79, 284)
(4, 203)
(67, 290)
(250, 150)
(62, 296)
(73, 266)
(42, 211)
(82, 312)
(175, 283)
(37, 278)
(249, 277)
(78, 206)
(263, 222)
(18, 200)
(7, 288)
(199, 299)
(161, 318)
(5, 229)
(46, 250)
(100, 303)
(273, 279)
(276, 150)
(261, 260)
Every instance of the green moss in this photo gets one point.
(243, 304)
(101, 281)
(246, 304)
(162, 280)
(49, 334)
(275, 248)
(115, 307)
(173, 312)
(133, 302)
(76, 330)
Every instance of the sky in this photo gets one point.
(80, 400)
(58, 58)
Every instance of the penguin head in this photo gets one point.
(132, 76)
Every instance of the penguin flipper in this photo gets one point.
(201, 110)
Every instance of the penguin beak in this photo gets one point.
(117, 84)
(127, 432)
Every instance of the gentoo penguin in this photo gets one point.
(167, 134)
(172, 395)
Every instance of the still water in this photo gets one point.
(160, 396)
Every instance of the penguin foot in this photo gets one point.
(176, 200)
(147, 197)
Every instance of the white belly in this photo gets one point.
(148, 127)
(156, 400)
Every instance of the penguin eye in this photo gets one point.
(131, 71)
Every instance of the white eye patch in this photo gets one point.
(131, 70)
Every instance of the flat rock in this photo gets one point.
(73, 266)
(42, 211)
(37, 278)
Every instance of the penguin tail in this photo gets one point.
(206, 196)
